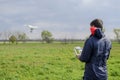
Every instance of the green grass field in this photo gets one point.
(37, 61)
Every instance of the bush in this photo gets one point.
(12, 39)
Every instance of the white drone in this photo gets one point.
(31, 27)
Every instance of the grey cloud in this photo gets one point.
(71, 16)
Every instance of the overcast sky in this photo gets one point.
(63, 18)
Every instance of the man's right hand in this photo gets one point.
(77, 56)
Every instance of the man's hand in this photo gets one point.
(77, 56)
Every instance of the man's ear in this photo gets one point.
(94, 26)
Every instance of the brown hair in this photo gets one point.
(97, 23)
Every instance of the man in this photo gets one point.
(95, 53)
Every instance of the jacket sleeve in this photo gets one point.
(86, 52)
(109, 47)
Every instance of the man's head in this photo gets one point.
(98, 23)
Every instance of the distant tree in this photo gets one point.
(20, 36)
(5, 36)
(117, 33)
(65, 40)
(46, 36)
(12, 39)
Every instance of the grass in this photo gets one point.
(37, 61)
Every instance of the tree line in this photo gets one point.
(14, 37)
(47, 37)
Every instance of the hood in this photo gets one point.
(99, 33)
